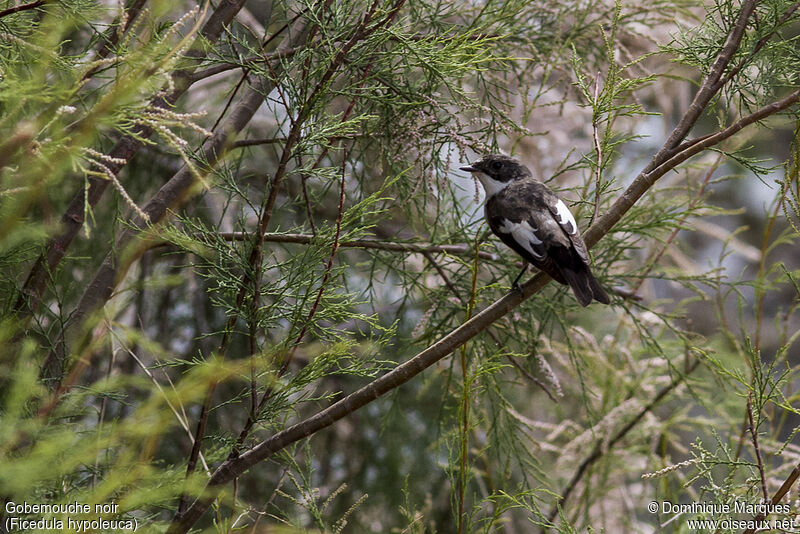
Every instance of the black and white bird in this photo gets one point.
(528, 217)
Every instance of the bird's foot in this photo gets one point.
(517, 288)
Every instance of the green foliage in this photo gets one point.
(329, 239)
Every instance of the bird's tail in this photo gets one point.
(585, 286)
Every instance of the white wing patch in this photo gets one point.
(524, 234)
(565, 216)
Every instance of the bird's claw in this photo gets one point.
(518, 288)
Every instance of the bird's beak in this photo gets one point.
(469, 168)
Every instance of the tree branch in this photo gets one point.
(645, 180)
(392, 246)
(171, 193)
(711, 85)
(111, 37)
(243, 64)
(23, 7)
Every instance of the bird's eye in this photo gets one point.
(496, 165)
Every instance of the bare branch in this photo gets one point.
(23, 7)
(393, 246)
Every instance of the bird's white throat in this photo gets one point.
(490, 185)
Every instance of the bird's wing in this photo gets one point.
(566, 221)
(522, 235)
(520, 221)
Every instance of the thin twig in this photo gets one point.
(646, 179)
(760, 292)
(692, 205)
(328, 269)
(307, 199)
(23, 7)
(390, 246)
(759, 45)
(246, 64)
(243, 143)
(240, 117)
(285, 366)
(759, 459)
(360, 33)
(466, 384)
(599, 149)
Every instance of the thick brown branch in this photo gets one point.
(23, 7)
(275, 140)
(710, 86)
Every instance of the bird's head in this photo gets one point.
(496, 171)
